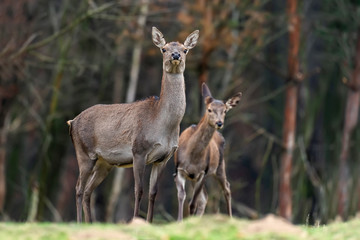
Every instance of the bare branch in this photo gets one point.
(66, 29)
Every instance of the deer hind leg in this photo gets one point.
(225, 185)
(181, 193)
(156, 170)
(85, 168)
(201, 202)
(101, 170)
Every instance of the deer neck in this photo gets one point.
(201, 137)
(172, 102)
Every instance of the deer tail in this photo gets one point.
(69, 123)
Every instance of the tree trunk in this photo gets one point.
(350, 121)
(231, 53)
(289, 130)
(7, 94)
(130, 97)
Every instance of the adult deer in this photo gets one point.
(133, 134)
(201, 153)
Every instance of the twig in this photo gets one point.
(165, 214)
(264, 132)
(273, 69)
(258, 180)
(66, 29)
(314, 178)
(275, 194)
(299, 78)
(245, 210)
(265, 98)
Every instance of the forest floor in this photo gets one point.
(207, 227)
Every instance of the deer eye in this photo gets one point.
(163, 50)
(209, 110)
(185, 51)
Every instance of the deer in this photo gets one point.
(132, 134)
(201, 154)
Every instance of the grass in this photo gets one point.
(207, 227)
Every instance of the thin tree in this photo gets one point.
(350, 121)
(14, 35)
(289, 128)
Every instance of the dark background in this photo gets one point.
(60, 57)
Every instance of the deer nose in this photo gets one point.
(219, 124)
(175, 56)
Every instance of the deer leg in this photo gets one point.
(101, 170)
(197, 188)
(154, 179)
(225, 185)
(139, 169)
(85, 167)
(201, 202)
(181, 193)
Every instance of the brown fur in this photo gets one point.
(200, 153)
(131, 135)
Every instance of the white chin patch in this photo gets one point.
(175, 62)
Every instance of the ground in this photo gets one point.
(207, 227)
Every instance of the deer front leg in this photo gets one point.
(139, 169)
(181, 193)
(197, 188)
(154, 179)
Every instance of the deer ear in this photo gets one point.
(232, 102)
(208, 100)
(158, 38)
(191, 40)
(206, 94)
(205, 91)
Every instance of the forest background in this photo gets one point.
(292, 145)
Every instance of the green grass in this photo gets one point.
(207, 227)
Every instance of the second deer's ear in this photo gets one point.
(208, 100)
(191, 40)
(205, 91)
(158, 38)
(232, 102)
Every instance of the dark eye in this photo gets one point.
(163, 50)
(209, 110)
(185, 51)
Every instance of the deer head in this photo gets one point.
(217, 109)
(174, 53)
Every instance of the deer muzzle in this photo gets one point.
(219, 124)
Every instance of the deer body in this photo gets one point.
(201, 147)
(117, 125)
(201, 154)
(132, 134)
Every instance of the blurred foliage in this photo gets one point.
(65, 56)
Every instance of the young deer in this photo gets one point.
(133, 134)
(201, 153)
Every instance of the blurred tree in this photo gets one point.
(59, 57)
(289, 130)
(350, 122)
(15, 28)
